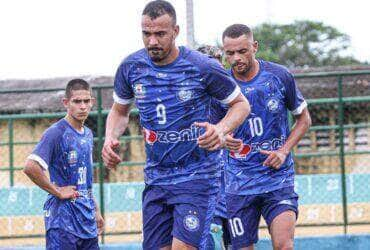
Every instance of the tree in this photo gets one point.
(303, 43)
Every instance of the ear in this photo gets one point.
(177, 30)
(255, 46)
(65, 102)
(93, 101)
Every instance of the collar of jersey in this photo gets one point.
(69, 125)
(254, 78)
(181, 51)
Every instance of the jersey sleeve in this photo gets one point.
(43, 152)
(220, 84)
(293, 98)
(123, 93)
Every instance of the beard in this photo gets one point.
(241, 68)
(158, 54)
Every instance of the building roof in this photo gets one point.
(33, 102)
(26, 102)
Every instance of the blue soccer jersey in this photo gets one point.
(67, 154)
(170, 99)
(271, 93)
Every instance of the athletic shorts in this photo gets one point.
(244, 213)
(58, 239)
(184, 211)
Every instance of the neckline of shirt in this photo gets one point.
(76, 131)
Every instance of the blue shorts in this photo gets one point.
(244, 212)
(58, 239)
(184, 211)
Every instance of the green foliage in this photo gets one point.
(303, 43)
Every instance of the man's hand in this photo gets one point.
(275, 158)
(67, 192)
(233, 144)
(110, 157)
(99, 222)
(212, 139)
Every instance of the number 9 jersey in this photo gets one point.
(170, 99)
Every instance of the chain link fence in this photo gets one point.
(332, 160)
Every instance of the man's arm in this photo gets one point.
(276, 158)
(35, 172)
(213, 138)
(238, 110)
(99, 218)
(117, 122)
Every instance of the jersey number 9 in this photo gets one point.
(161, 114)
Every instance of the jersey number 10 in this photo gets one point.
(255, 125)
(236, 226)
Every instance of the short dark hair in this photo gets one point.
(236, 30)
(76, 84)
(159, 8)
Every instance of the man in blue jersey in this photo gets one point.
(173, 87)
(260, 175)
(72, 218)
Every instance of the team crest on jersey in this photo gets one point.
(72, 157)
(139, 90)
(184, 95)
(191, 222)
(273, 105)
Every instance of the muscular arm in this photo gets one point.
(238, 110)
(214, 136)
(276, 158)
(34, 171)
(117, 122)
(301, 126)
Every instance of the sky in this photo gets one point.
(54, 38)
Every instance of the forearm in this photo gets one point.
(117, 121)
(234, 117)
(37, 176)
(301, 126)
(97, 208)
